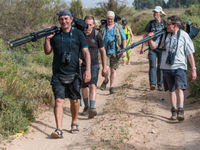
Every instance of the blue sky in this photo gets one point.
(93, 3)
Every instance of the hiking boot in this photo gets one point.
(103, 85)
(152, 87)
(174, 113)
(160, 88)
(180, 114)
(85, 111)
(111, 90)
(92, 113)
(57, 134)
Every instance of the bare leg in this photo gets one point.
(180, 97)
(58, 112)
(74, 107)
(112, 76)
(92, 93)
(173, 99)
(84, 92)
(106, 76)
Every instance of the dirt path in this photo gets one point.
(134, 118)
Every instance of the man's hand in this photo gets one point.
(123, 55)
(104, 71)
(87, 76)
(50, 36)
(194, 74)
(142, 51)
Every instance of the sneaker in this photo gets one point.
(174, 114)
(152, 87)
(92, 113)
(85, 111)
(160, 88)
(57, 134)
(180, 114)
(111, 90)
(103, 85)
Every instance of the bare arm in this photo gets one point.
(131, 33)
(123, 46)
(87, 74)
(104, 60)
(144, 45)
(192, 64)
(47, 44)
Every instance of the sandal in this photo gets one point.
(76, 130)
(57, 134)
(103, 85)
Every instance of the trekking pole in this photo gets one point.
(156, 34)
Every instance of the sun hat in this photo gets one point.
(110, 14)
(159, 9)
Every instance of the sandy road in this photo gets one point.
(148, 115)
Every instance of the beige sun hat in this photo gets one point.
(159, 9)
(110, 14)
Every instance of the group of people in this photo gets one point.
(76, 63)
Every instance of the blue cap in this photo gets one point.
(64, 13)
(124, 22)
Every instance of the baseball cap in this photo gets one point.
(159, 9)
(64, 13)
(124, 22)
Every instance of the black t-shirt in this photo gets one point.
(62, 49)
(154, 26)
(95, 41)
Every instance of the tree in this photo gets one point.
(28, 16)
(77, 8)
(147, 4)
(115, 5)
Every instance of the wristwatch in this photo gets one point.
(194, 68)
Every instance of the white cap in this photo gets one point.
(159, 9)
(110, 14)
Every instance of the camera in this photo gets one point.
(170, 58)
(110, 45)
(66, 58)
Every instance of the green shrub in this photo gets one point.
(195, 86)
(15, 114)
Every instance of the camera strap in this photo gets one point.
(178, 36)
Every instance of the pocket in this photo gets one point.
(67, 79)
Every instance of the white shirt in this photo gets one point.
(185, 48)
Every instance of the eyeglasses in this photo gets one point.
(168, 24)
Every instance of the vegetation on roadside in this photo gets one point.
(25, 72)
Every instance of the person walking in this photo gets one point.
(178, 47)
(154, 56)
(129, 41)
(95, 42)
(66, 46)
(114, 39)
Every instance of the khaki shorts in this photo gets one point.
(113, 61)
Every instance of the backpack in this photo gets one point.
(118, 38)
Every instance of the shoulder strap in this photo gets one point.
(96, 32)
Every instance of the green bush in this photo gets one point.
(25, 85)
(195, 86)
(15, 114)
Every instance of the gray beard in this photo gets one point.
(157, 18)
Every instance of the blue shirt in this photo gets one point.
(110, 40)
